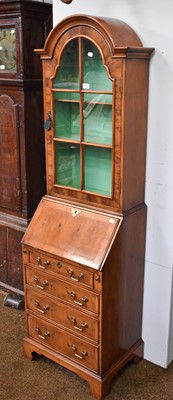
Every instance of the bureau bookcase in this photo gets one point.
(83, 253)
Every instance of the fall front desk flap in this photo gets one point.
(73, 233)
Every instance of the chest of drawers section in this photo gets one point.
(63, 305)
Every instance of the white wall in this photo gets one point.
(152, 21)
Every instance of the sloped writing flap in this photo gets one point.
(77, 234)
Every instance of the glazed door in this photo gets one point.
(82, 98)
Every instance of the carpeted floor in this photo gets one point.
(42, 379)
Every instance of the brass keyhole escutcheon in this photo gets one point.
(75, 212)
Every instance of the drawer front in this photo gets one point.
(73, 273)
(79, 297)
(68, 345)
(78, 322)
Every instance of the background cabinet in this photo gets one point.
(24, 25)
(83, 252)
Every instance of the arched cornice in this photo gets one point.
(117, 33)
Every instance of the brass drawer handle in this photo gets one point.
(84, 353)
(71, 273)
(79, 328)
(42, 311)
(79, 303)
(40, 335)
(47, 262)
(42, 287)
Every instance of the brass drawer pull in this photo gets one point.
(80, 275)
(79, 328)
(84, 353)
(40, 335)
(47, 262)
(42, 311)
(79, 303)
(42, 287)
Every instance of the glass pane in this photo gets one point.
(67, 120)
(98, 170)
(94, 76)
(8, 49)
(68, 72)
(97, 117)
(98, 98)
(67, 164)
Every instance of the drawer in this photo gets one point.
(79, 297)
(73, 273)
(68, 345)
(78, 322)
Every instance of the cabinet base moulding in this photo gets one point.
(100, 386)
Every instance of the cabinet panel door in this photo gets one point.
(15, 275)
(9, 154)
(3, 253)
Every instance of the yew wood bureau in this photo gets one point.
(79, 299)
(83, 252)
